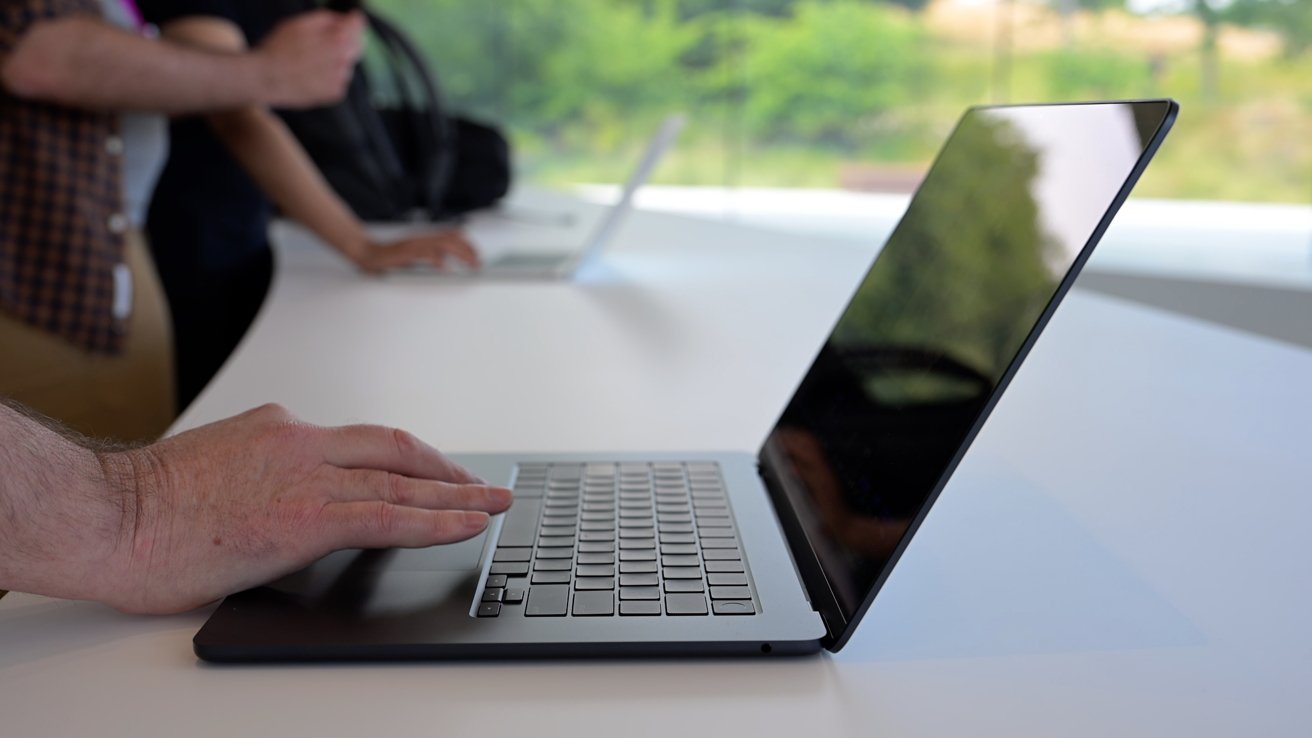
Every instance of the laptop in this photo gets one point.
(523, 245)
(784, 550)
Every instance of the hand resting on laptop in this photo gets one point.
(184, 521)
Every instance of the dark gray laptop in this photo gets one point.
(783, 551)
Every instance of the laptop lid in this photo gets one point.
(990, 243)
(669, 131)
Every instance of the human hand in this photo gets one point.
(435, 249)
(309, 58)
(237, 503)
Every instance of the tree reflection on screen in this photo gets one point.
(951, 299)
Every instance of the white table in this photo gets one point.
(1124, 551)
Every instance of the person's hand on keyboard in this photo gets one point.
(227, 506)
(439, 250)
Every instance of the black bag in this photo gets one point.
(407, 157)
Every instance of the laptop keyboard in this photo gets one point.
(626, 539)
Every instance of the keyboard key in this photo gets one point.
(727, 580)
(552, 577)
(496, 581)
(640, 607)
(547, 599)
(594, 603)
(589, 526)
(555, 553)
(639, 580)
(596, 535)
(631, 544)
(511, 568)
(513, 554)
(682, 572)
(556, 542)
(724, 566)
(731, 593)
(555, 530)
(708, 521)
(678, 548)
(677, 537)
(733, 607)
(553, 565)
(596, 570)
(514, 595)
(594, 517)
(715, 532)
(489, 609)
(596, 546)
(681, 560)
(648, 533)
(637, 567)
(493, 595)
(719, 543)
(677, 528)
(683, 585)
(520, 527)
(721, 554)
(630, 555)
(685, 604)
(585, 583)
(597, 558)
(640, 593)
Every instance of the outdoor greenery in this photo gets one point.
(832, 93)
(977, 217)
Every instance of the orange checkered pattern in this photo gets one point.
(60, 185)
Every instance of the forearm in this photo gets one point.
(273, 157)
(83, 62)
(63, 511)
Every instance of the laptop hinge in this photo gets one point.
(805, 560)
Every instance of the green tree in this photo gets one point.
(621, 61)
(828, 74)
(1292, 19)
(1090, 73)
(976, 222)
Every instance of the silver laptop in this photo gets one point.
(781, 551)
(539, 246)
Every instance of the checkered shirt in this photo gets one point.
(61, 203)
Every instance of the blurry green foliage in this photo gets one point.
(964, 231)
(803, 92)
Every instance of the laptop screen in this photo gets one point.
(1009, 209)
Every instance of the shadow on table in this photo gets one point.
(1001, 569)
(47, 628)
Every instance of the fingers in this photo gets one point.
(350, 30)
(368, 485)
(434, 249)
(454, 243)
(382, 525)
(389, 449)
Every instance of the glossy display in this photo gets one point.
(1014, 200)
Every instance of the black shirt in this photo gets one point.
(207, 213)
(209, 221)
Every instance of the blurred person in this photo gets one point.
(84, 334)
(209, 233)
(182, 522)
